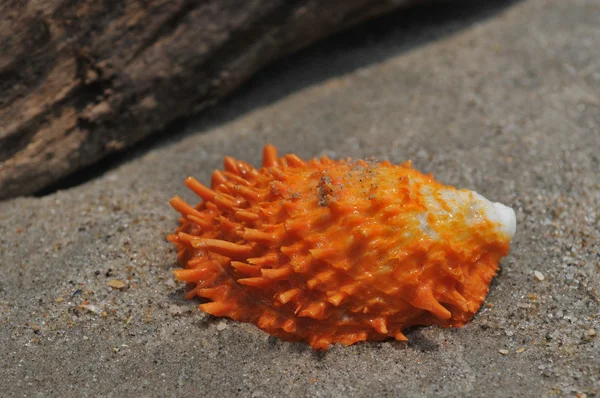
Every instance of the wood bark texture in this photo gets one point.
(82, 79)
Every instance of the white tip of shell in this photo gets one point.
(501, 214)
(506, 218)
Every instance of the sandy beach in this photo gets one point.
(500, 97)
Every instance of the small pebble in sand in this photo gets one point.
(92, 308)
(503, 351)
(591, 332)
(221, 326)
(520, 350)
(539, 276)
(115, 283)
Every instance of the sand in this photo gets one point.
(500, 97)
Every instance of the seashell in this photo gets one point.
(338, 251)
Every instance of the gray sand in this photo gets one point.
(504, 100)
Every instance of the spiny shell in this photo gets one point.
(329, 251)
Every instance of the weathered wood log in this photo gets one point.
(79, 80)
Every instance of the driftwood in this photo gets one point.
(79, 80)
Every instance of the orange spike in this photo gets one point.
(301, 265)
(173, 238)
(255, 235)
(231, 165)
(294, 161)
(204, 192)
(224, 201)
(289, 326)
(198, 261)
(268, 259)
(314, 310)
(323, 277)
(193, 274)
(213, 293)
(206, 281)
(337, 298)
(268, 212)
(267, 320)
(222, 247)
(287, 296)
(249, 194)
(452, 296)
(276, 273)
(289, 250)
(298, 226)
(352, 338)
(201, 221)
(187, 238)
(228, 227)
(183, 208)
(379, 325)
(245, 268)
(218, 178)
(236, 179)
(323, 253)
(246, 170)
(269, 156)
(282, 163)
(424, 299)
(246, 216)
(226, 189)
(255, 282)
(350, 289)
(289, 206)
(320, 343)
(474, 306)
(217, 308)
(279, 175)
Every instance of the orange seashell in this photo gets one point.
(338, 251)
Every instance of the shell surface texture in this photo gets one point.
(338, 251)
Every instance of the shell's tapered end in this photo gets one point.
(498, 213)
(505, 216)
